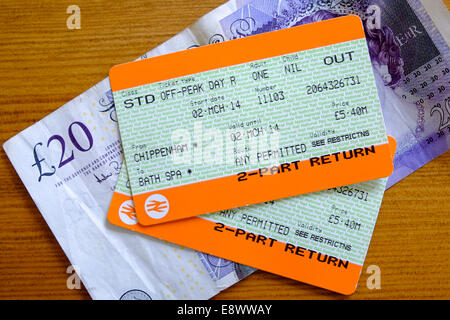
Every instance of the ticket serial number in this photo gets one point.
(333, 84)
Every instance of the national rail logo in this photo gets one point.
(156, 206)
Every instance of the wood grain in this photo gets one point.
(43, 65)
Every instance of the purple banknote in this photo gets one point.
(409, 58)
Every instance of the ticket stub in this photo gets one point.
(250, 120)
(319, 238)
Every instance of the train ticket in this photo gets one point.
(320, 238)
(250, 120)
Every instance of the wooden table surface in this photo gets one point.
(43, 65)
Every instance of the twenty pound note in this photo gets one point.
(69, 162)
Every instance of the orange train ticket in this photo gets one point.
(250, 120)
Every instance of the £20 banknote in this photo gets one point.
(69, 162)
